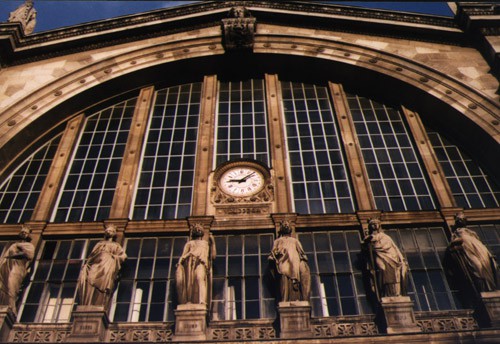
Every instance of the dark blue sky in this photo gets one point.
(53, 14)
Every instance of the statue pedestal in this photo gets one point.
(491, 303)
(399, 316)
(190, 322)
(90, 324)
(295, 319)
(7, 319)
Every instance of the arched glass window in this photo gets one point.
(396, 175)
(20, 192)
(470, 186)
(242, 122)
(318, 170)
(166, 179)
(90, 183)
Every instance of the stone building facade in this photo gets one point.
(346, 114)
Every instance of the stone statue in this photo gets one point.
(98, 276)
(26, 15)
(390, 270)
(289, 265)
(472, 257)
(14, 266)
(194, 267)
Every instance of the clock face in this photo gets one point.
(241, 181)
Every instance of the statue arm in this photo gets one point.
(213, 249)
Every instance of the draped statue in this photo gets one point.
(289, 265)
(390, 270)
(194, 267)
(26, 15)
(98, 276)
(472, 257)
(14, 266)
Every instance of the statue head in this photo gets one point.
(374, 225)
(285, 228)
(25, 232)
(460, 220)
(197, 231)
(110, 231)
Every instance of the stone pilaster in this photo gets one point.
(399, 315)
(279, 156)
(295, 319)
(431, 163)
(355, 161)
(190, 323)
(491, 303)
(7, 319)
(90, 324)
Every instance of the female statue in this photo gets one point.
(14, 266)
(289, 262)
(100, 272)
(193, 268)
(473, 257)
(391, 268)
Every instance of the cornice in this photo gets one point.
(18, 48)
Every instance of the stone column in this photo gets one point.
(279, 156)
(7, 319)
(90, 324)
(190, 323)
(355, 162)
(431, 163)
(295, 319)
(491, 303)
(122, 200)
(205, 146)
(399, 316)
(53, 182)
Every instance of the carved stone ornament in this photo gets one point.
(15, 264)
(242, 182)
(26, 15)
(238, 29)
(192, 277)
(388, 268)
(97, 280)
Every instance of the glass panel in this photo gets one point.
(241, 129)
(318, 170)
(470, 186)
(395, 174)
(20, 191)
(91, 180)
(167, 172)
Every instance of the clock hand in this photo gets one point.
(244, 179)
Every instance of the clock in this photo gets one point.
(242, 181)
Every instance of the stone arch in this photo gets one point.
(52, 102)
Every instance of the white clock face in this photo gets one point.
(241, 181)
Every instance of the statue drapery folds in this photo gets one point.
(98, 276)
(289, 266)
(194, 267)
(472, 258)
(14, 266)
(389, 268)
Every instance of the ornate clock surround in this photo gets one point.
(256, 201)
